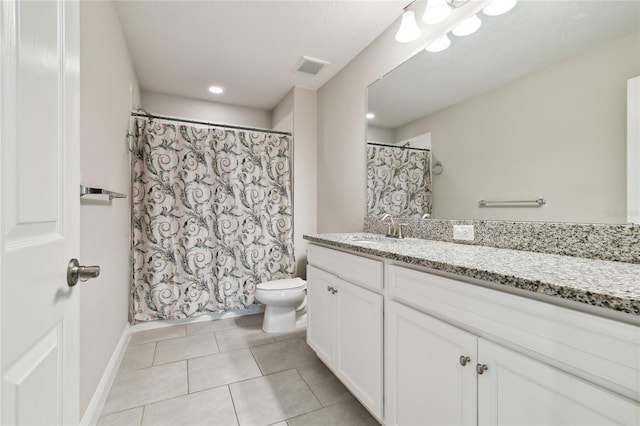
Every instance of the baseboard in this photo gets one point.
(96, 404)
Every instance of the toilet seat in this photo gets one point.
(283, 284)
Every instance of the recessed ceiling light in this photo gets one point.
(370, 115)
(216, 89)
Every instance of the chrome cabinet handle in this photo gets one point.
(464, 360)
(481, 368)
(76, 272)
(334, 291)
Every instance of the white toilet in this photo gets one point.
(281, 297)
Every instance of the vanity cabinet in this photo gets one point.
(344, 320)
(426, 382)
(453, 358)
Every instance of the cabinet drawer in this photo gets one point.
(598, 349)
(356, 269)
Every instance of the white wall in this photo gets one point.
(195, 109)
(565, 123)
(305, 173)
(342, 125)
(282, 114)
(105, 81)
(380, 135)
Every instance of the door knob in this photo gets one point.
(76, 272)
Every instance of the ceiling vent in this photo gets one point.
(310, 66)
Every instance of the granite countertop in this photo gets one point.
(605, 284)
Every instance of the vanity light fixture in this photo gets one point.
(468, 26)
(216, 90)
(370, 116)
(498, 7)
(409, 30)
(437, 11)
(439, 44)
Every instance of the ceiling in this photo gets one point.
(248, 47)
(534, 34)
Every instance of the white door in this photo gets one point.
(40, 211)
(516, 390)
(426, 381)
(359, 351)
(321, 314)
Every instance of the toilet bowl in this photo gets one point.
(281, 298)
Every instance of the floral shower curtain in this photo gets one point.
(398, 181)
(211, 218)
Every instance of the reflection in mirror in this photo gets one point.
(398, 180)
(532, 106)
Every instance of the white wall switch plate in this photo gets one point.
(463, 232)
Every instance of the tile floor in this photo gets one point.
(227, 372)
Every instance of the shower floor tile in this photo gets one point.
(227, 372)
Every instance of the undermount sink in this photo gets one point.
(370, 239)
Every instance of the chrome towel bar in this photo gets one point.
(85, 190)
(515, 203)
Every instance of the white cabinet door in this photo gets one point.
(518, 390)
(39, 131)
(359, 356)
(425, 381)
(321, 314)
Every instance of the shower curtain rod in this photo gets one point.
(397, 146)
(206, 123)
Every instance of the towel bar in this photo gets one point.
(86, 190)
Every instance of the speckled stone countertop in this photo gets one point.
(605, 284)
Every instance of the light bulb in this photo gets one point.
(370, 115)
(408, 30)
(439, 44)
(468, 26)
(436, 12)
(215, 89)
(498, 7)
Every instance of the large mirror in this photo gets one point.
(528, 114)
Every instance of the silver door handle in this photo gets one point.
(76, 272)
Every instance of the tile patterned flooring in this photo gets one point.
(227, 372)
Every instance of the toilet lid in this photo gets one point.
(285, 284)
